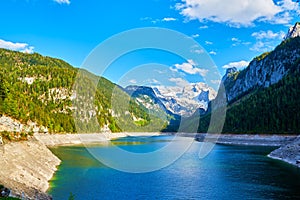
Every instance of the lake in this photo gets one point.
(228, 172)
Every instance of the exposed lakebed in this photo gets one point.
(228, 172)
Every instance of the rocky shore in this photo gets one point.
(71, 139)
(289, 153)
(256, 140)
(26, 167)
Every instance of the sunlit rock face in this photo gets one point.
(183, 101)
(266, 69)
(294, 31)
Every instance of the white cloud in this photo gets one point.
(63, 1)
(179, 82)
(189, 68)
(238, 12)
(260, 46)
(150, 19)
(290, 5)
(195, 36)
(266, 40)
(133, 81)
(235, 39)
(198, 51)
(268, 35)
(28, 50)
(154, 81)
(203, 27)
(160, 71)
(237, 42)
(213, 53)
(208, 43)
(145, 18)
(168, 19)
(246, 43)
(155, 21)
(239, 65)
(22, 47)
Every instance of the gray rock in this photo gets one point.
(11, 125)
(294, 31)
(263, 71)
(289, 153)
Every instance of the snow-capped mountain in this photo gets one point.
(185, 100)
(147, 97)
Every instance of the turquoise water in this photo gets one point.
(228, 172)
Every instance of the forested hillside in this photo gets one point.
(38, 89)
(273, 109)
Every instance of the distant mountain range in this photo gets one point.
(182, 101)
(36, 93)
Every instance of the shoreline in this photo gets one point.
(85, 138)
(288, 146)
(28, 166)
(289, 153)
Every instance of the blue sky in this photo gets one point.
(231, 31)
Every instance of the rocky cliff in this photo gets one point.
(26, 168)
(173, 100)
(185, 100)
(294, 31)
(288, 153)
(51, 93)
(146, 97)
(266, 69)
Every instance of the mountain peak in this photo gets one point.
(231, 70)
(264, 70)
(293, 32)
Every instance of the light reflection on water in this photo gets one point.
(229, 172)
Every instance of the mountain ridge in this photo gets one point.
(258, 103)
(264, 70)
(293, 32)
(39, 89)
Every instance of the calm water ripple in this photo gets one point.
(229, 172)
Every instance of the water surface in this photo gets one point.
(228, 172)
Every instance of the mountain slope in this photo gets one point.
(270, 110)
(146, 97)
(264, 97)
(37, 89)
(264, 70)
(185, 100)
